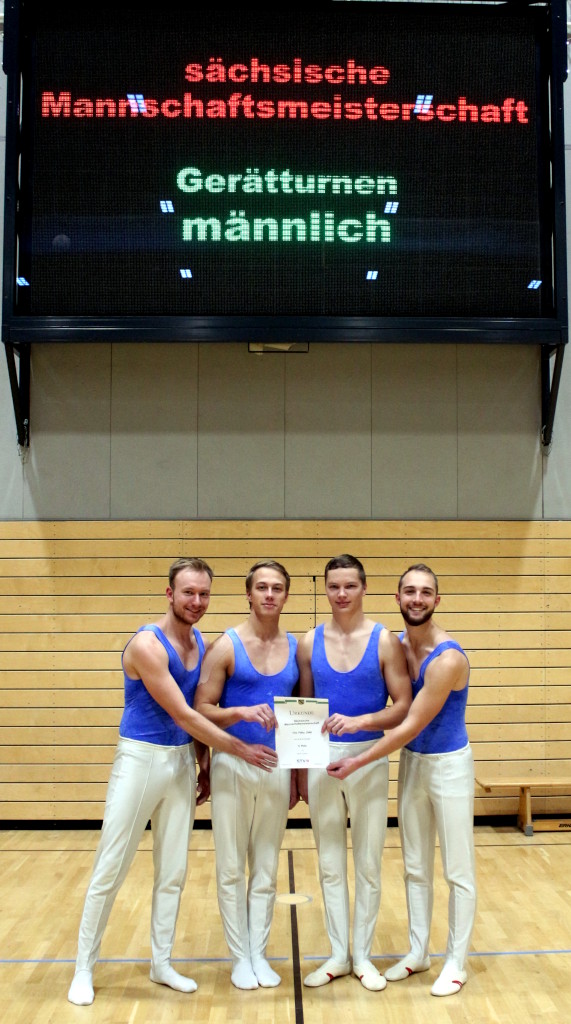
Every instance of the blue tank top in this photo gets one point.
(447, 731)
(361, 691)
(247, 686)
(144, 719)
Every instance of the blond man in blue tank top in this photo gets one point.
(357, 665)
(436, 783)
(241, 674)
(154, 776)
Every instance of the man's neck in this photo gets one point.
(424, 637)
(181, 633)
(266, 629)
(345, 625)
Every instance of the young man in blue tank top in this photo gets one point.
(357, 665)
(436, 783)
(242, 673)
(154, 775)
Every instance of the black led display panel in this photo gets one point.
(334, 171)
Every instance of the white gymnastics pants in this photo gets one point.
(249, 816)
(436, 794)
(147, 782)
(363, 796)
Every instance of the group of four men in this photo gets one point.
(222, 696)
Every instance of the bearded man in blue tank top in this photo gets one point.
(357, 665)
(154, 775)
(436, 783)
(242, 673)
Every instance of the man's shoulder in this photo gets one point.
(222, 642)
(448, 659)
(146, 636)
(144, 650)
(447, 643)
(389, 641)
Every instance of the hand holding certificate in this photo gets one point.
(300, 743)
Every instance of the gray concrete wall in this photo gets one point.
(344, 431)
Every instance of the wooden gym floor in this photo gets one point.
(519, 968)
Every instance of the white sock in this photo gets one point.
(81, 989)
(243, 976)
(164, 974)
(266, 976)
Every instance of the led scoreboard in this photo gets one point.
(336, 171)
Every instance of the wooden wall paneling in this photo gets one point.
(71, 594)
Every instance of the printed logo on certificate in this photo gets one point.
(300, 743)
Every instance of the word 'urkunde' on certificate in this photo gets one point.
(300, 743)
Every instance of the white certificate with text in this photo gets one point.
(300, 743)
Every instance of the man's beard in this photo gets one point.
(180, 616)
(419, 620)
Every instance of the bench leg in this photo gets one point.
(524, 817)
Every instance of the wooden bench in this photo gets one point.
(525, 784)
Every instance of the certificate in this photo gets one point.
(299, 740)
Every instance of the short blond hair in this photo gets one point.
(267, 563)
(196, 564)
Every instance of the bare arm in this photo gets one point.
(446, 674)
(202, 754)
(217, 665)
(149, 662)
(304, 650)
(395, 672)
(392, 662)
